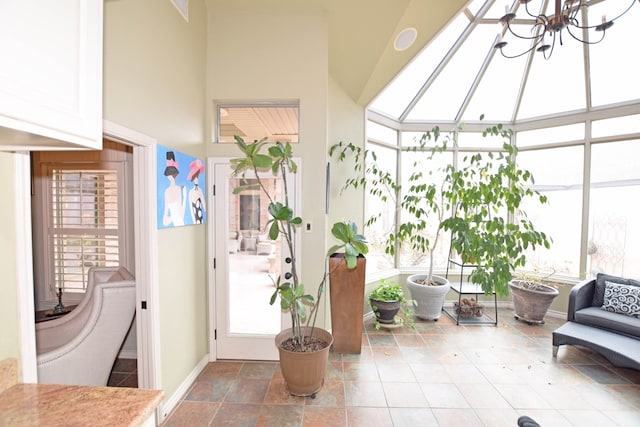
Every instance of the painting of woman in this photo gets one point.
(175, 197)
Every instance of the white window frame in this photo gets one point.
(46, 293)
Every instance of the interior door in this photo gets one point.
(247, 263)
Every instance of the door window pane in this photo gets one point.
(254, 260)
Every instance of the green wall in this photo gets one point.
(154, 83)
(9, 342)
(268, 56)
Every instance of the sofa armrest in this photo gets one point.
(581, 296)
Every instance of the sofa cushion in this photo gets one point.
(595, 316)
(622, 299)
(601, 279)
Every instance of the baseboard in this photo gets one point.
(557, 314)
(179, 394)
(501, 304)
(127, 354)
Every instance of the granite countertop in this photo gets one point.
(70, 405)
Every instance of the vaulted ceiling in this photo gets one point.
(362, 59)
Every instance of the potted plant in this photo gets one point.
(480, 203)
(531, 298)
(303, 348)
(346, 289)
(390, 306)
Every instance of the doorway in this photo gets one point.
(145, 237)
(82, 217)
(247, 265)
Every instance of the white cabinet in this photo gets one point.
(51, 74)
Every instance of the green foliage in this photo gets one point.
(283, 223)
(388, 292)
(353, 243)
(480, 203)
(391, 292)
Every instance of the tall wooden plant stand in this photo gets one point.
(346, 292)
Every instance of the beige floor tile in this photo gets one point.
(437, 375)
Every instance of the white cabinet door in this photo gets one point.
(51, 73)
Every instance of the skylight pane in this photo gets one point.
(497, 11)
(443, 99)
(475, 6)
(497, 92)
(394, 99)
(614, 62)
(555, 85)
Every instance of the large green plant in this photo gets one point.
(283, 222)
(480, 202)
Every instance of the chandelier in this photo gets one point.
(546, 29)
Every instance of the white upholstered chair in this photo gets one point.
(81, 347)
(235, 241)
(265, 246)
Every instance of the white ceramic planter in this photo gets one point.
(429, 299)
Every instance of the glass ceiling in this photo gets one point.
(459, 75)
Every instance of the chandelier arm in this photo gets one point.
(625, 11)
(518, 55)
(526, 9)
(526, 37)
(548, 52)
(585, 41)
(572, 11)
(565, 17)
(591, 27)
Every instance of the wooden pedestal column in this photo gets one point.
(346, 290)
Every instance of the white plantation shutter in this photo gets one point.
(84, 224)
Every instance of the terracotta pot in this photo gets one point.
(385, 311)
(346, 293)
(429, 299)
(304, 372)
(531, 304)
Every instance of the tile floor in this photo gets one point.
(124, 374)
(438, 375)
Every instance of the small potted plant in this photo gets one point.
(390, 306)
